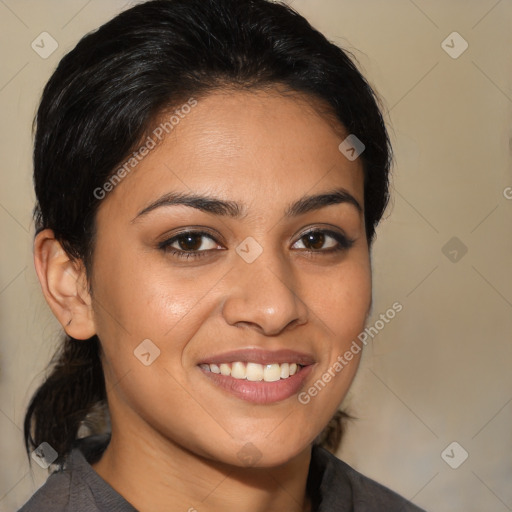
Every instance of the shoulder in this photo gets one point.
(74, 486)
(53, 495)
(341, 483)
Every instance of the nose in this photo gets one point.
(262, 296)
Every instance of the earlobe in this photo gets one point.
(63, 282)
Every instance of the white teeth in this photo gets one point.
(254, 371)
(271, 373)
(238, 371)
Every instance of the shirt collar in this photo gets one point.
(327, 485)
(100, 494)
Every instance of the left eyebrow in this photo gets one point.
(310, 203)
(236, 210)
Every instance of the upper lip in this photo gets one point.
(256, 355)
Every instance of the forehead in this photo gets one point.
(261, 147)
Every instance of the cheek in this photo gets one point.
(175, 302)
(144, 295)
(342, 305)
(343, 300)
(138, 297)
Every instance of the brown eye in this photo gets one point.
(315, 240)
(324, 241)
(189, 245)
(190, 242)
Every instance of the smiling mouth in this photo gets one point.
(254, 372)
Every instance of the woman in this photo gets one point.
(209, 175)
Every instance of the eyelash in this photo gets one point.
(344, 244)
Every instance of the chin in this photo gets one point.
(260, 453)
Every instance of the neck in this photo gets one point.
(152, 472)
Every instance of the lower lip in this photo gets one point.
(260, 392)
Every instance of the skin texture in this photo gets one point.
(176, 437)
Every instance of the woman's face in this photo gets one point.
(268, 277)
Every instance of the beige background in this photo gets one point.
(437, 373)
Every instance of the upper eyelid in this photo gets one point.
(169, 241)
(174, 238)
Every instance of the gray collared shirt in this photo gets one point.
(332, 485)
